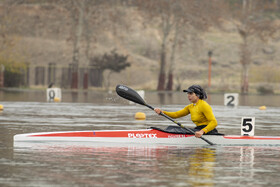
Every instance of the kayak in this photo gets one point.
(144, 136)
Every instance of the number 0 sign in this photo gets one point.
(53, 93)
(248, 126)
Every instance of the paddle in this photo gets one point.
(132, 95)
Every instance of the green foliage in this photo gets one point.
(12, 79)
(265, 89)
(112, 61)
(14, 72)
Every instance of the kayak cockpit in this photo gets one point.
(178, 130)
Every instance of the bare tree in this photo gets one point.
(253, 23)
(90, 18)
(175, 18)
(77, 11)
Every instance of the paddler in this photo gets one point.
(201, 112)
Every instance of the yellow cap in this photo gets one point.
(140, 116)
(262, 107)
(56, 99)
(1, 107)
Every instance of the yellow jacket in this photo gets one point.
(201, 114)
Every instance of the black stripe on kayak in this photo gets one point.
(178, 130)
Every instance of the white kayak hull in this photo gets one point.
(146, 136)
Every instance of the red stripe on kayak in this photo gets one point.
(253, 137)
(120, 134)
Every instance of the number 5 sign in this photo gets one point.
(231, 99)
(248, 126)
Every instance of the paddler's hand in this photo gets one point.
(157, 110)
(198, 134)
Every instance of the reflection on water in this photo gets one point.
(138, 165)
(43, 164)
(122, 165)
(102, 165)
(247, 156)
(201, 167)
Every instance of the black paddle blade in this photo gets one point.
(129, 94)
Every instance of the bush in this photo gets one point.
(14, 73)
(265, 89)
(12, 79)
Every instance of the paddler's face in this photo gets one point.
(192, 97)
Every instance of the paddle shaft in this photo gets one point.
(179, 124)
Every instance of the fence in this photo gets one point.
(69, 76)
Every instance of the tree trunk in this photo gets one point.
(76, 44)
(166, 26)
(170, 81)
(169, 85)
(161, 79)
(245, 81)
(245, 62)
(74, 82)
(245, 51)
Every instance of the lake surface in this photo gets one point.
(45, 164)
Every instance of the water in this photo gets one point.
(45, 164)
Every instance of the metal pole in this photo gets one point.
(209, 68)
